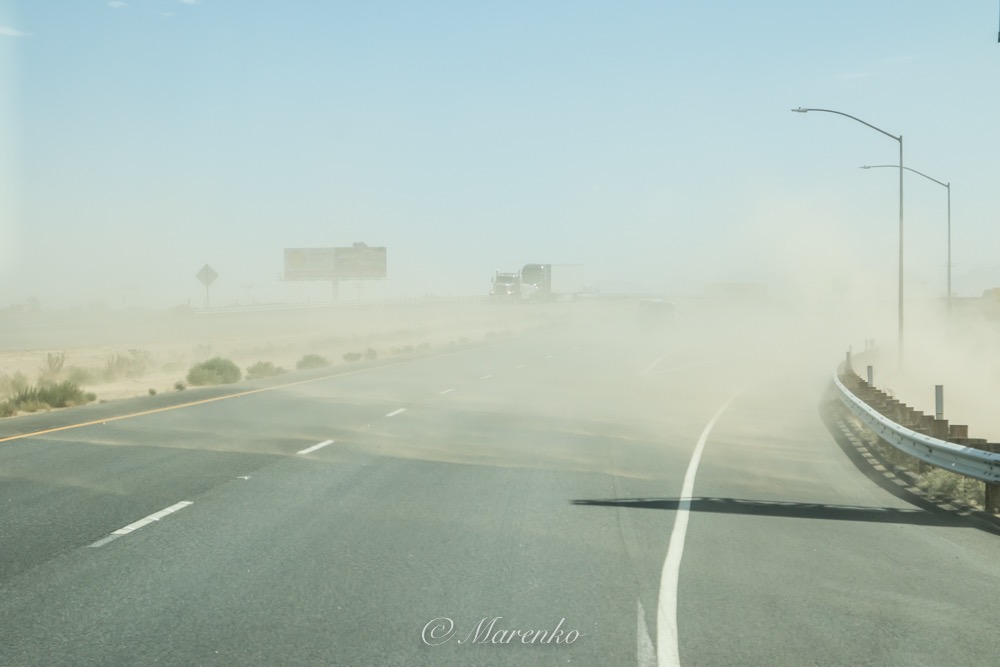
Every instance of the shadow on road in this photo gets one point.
(792, 510)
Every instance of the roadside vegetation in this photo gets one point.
(370, 354)
(941, 484)
(312, 361)
(263, 369)
(131, 364)
(216, 370)
(18, 397)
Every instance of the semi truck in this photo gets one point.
(506, 287)
(549, 282)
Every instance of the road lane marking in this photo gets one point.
(653, 365)
(521, 366)
(550, 356)
(668, 651)
(645, 651)
(143, 413)
(156, 516)
(396, 412)
(448, 391)
(486, 377)
(309, 450)
(649, 369)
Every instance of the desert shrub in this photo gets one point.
(131, 365)
(42, 396)
(944, 484)
(370, 354)
(152, 392)
(263, 369)
(32, 405)
(180, 386)
(13, 384)
(81, 376)
(352, 356)
(52, 369)
(312, 361)
(216, 370)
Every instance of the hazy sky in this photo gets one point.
(650, 141)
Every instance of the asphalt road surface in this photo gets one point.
(588, 494)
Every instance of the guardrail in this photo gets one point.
(932, 441)
(403, 301)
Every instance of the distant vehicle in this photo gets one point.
(547, 282)
(506, 287)
(657, 313)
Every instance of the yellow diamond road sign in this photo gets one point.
(207, 275)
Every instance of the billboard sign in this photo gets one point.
(309, 264)
(360, 262)
(356, 263)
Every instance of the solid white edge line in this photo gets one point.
(646, 370)
(156, 516)
(396, 412)
(667, 649)
(310, 450)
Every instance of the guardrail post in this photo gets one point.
(991, 500)
(939, 429)
(939, 401)
(924, 424)
(957, 432)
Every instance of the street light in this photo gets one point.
(901, 168)
(946, 185)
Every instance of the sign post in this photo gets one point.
(207, 276)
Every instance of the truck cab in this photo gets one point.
(506, 287)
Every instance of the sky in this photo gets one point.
(651, 142)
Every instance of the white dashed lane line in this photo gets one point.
(448, 391)
(141, 522)
(396, 412)
(486, 377)
(309, 450)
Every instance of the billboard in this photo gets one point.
(310, 264)
(359, 262)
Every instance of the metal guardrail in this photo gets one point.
(968, 461)
(403, 301)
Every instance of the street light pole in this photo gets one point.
(947, 186)
(899, 139)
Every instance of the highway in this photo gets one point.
(585, 494)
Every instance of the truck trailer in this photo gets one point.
(550, 282)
